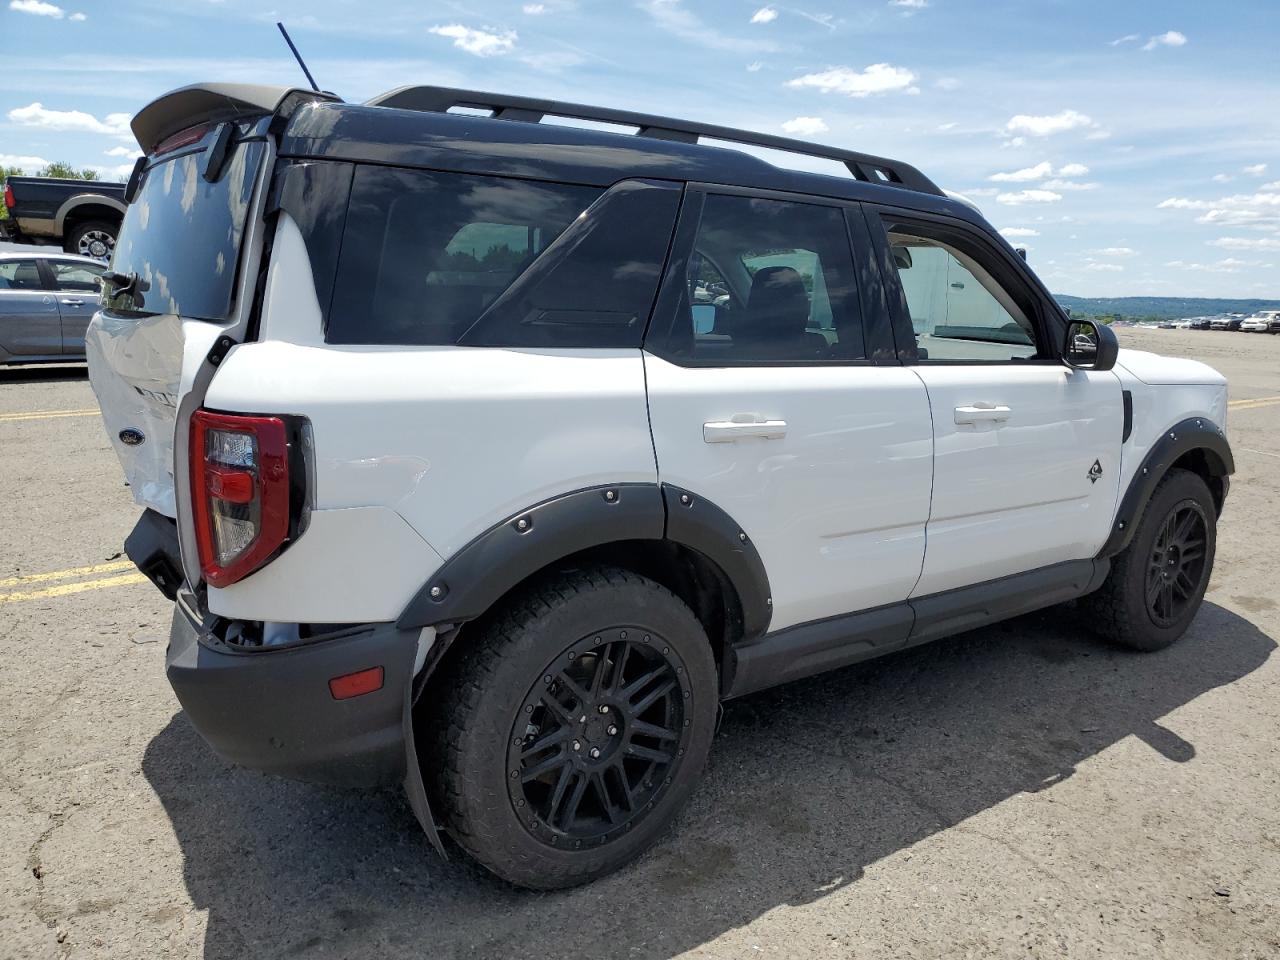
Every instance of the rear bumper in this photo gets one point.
(271, 708)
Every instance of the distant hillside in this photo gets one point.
(1163, 308)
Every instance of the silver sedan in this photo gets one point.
(46, 300)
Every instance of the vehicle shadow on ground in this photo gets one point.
(807, 785)
(44, 374)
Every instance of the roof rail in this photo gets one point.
(531, 110)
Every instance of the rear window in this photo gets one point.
(442, 258)
(181, 236)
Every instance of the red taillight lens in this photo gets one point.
(8, 196)
(183, 138)
(239, 492)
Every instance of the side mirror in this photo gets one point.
(1090, 346)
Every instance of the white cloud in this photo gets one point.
(1068, 185)
(1222, 178)
(1025, 175)
(944, 127)
(1040, 171)
(1170, 39)
(1246, 243)
(1273, 185)
(1104, 267)
(1116, 252)
(482, 43)
(35, 115)
(123, 152)
(877, 78)
(805, 126)
(1028, 196)
(77, 18)
(1014, 232)
(948, 83)
(27, 164)
(1044, 126)
(1229, 265)
(533, 9)
(1128, 38)
(37, 8)
(1259, 210)
(909, 4)
(755, 66)
(1256, 170)
(764, 15)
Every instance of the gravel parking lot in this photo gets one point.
(1023, 790)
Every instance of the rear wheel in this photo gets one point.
(1157, 583)
(574, 727)
(94, 238)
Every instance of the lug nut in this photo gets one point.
(613, 731)
(577, 744)
(595, 753)
(604, 708)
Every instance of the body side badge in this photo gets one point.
(132, 437)
(1095, 472)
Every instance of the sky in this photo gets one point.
(1132, 146)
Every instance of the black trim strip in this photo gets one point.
(502, 556)
(811, 648)
(1194, 433)
(1127, 395)
(699, 524)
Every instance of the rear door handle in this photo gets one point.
(740, 427)
(982, 412)
(74, 303)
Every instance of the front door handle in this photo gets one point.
(982, 412)
(742, 426)
(74, 303)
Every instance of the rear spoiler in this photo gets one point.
(214, 103)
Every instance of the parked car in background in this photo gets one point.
(1264, 321)
(83, 216)
(1226, 323)
(46, 302)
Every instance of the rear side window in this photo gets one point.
(20, 275)
(768, 282)
(426, 254)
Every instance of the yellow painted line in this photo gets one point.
(48, 414)
(64, 589)
(67, 574)
(1251, 404)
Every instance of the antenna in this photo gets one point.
(297, 56)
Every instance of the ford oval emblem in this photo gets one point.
(131, 437)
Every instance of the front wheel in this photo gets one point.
(574, 726)
(1157, 583)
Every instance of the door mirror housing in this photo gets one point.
(1090, 346)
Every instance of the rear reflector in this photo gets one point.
(8, 196)
(356, 684)
(239, 492)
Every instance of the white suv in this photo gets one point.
(490, 455)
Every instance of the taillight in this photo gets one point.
(239, 492)
(8, 195)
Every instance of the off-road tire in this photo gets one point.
(1119, 609)
(484, 687)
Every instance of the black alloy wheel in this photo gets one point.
(1177, 563)
(598, 737)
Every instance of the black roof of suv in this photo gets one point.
(412, 127)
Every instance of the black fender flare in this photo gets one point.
(1194, 433)
(479, 574)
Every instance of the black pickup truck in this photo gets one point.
(82, 215)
